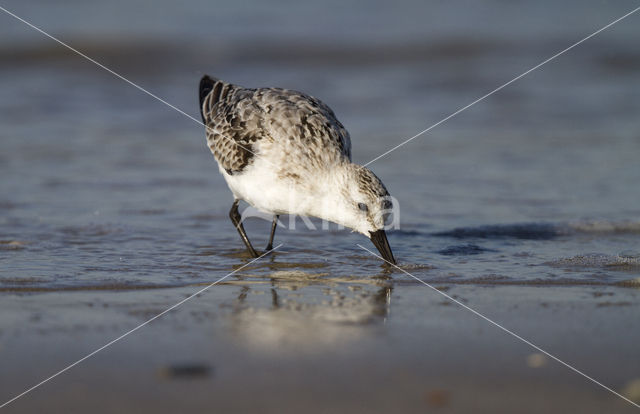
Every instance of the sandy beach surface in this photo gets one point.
(303, 343)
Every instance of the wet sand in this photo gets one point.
(297, 342)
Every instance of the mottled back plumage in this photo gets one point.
(241, 121)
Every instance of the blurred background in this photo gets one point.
(104, 188)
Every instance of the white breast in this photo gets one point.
(262, 187)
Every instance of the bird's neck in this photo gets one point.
(328, 199)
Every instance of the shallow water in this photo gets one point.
(105, 189)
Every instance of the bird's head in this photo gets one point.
(364, 204)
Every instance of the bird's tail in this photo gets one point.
(211, 90)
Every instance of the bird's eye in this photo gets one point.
(363, 207)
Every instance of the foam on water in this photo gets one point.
(622, 261)
(605, 226)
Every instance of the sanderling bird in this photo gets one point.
(284, 152)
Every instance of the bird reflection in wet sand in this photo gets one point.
(311, 313)
(285, 152)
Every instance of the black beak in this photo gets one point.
(379, 239)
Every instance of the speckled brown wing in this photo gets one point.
(309, 127)
(237, 119)
(233, 121)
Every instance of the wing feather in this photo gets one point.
(239, 119)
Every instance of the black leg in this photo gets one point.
(273, 232)
(236, 219)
